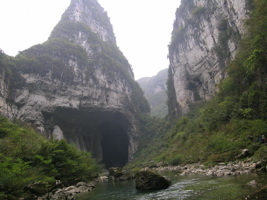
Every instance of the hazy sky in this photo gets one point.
(142, 28)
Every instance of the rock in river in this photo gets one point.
(147, 180)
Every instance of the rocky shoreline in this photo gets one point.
(61, 193)
(117, 174)
(222, 169)
(71, 192)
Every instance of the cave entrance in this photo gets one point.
(103, 133)
(115, 144)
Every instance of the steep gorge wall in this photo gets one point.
(79, 86)
(3, 91)
(204, 39)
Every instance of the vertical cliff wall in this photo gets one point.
(205, 38)
(78, 86)
(4, 84)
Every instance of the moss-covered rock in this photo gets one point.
(147, 180)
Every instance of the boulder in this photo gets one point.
(115, 171)
(69, 193)
(252, 184)
(117, 174)
(126, 176)
(244, 153)
(147, 180)
(102, 179)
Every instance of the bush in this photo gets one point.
(26, 157)
(64, 162)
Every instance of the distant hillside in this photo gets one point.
(155, 92)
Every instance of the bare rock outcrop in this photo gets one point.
(205, 38)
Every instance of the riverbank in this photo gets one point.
(235, 168)
(222, 169)
(183, 187)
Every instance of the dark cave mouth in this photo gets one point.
(103, 133)
(115, 151)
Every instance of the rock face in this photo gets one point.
(155, 91)
(3, 90)
(6, 82)
(78, 86)
(204, 39)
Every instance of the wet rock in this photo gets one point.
(69, 193)
(126, 176)
(115, 171)
(147, 180)
(102, 179)
(210, 173)
(252, 184)
(117, 174)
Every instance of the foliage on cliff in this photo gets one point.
(26, 158)
(151, 140)
(235, 118)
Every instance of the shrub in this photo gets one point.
(26, 157)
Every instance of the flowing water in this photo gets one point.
(183, 188)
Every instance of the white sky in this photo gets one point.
(142, 28)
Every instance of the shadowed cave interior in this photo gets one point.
(103, 133)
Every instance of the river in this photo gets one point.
(183, 188)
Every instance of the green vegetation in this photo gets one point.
(104, 54)
(152, 133)
(26, 157)
(6, 63)
(226, 33)
(234, 119)
(178, 35)
(158, 104)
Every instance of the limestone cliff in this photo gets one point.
(155, 91)
(205, 38)
(79, 86)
